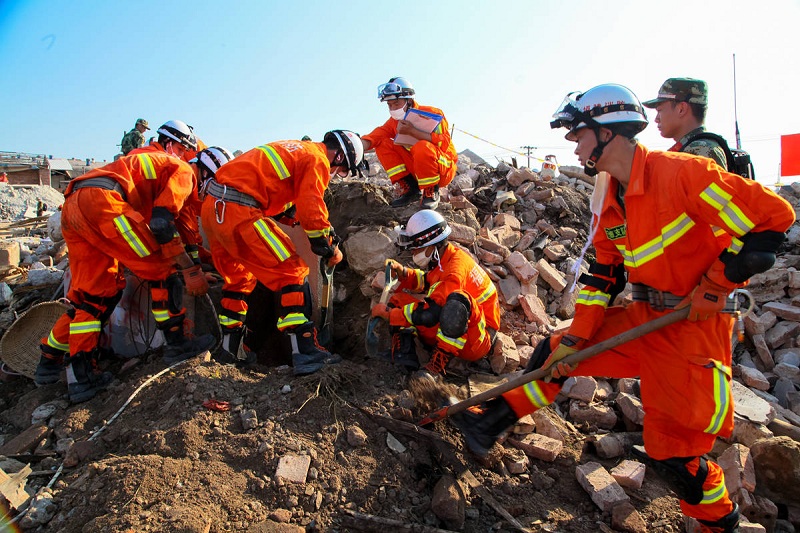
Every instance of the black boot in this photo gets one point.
(83, 379)
(430, 198)
(307, 354)
(482, 429)
(409, 192)
(404, 349)
(48, 371)
(180, 347)
(727, 524)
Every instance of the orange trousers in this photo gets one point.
(426, 162)
(102, 231)
(247, 247)
(473, 345)
(685, 373)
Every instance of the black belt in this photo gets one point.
(102, 182)
(226, 193)
(661, 300)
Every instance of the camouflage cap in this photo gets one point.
(143, 122)
(681, 90)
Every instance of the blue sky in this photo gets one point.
(76, 75)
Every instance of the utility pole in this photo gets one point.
(528, 149)
(735, 114)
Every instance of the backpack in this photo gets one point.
(738, 160)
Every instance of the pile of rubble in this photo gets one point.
(20, 201)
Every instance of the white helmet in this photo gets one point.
(211, 159)
(395, 88)
(600, 106)
(351, 146)
(424, 228)
(178, 131)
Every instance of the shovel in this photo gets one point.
(371, 339)
(540, 373)
(326, 309)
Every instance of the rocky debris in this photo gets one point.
(20, 201)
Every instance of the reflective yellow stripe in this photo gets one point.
(147, 166)
(194, 254)
(407, 310)
(654, 248)
(458, 343)
(433, 288)
(124, 227)
(444, 161)
(438, 128)
(275, 159)
(161, 315)
(721, 397)
(228, 321)
(420, 277)
(718, 232)
(535, 394)
(77, 328)
(714, 494)
(318, 233)
(51, 341)
(291, 320)
(729, 212)
(427, 182)
(736, 245)
(482, 329)
(590, 297)
(272, 240)
(394, 171)
(485, 295)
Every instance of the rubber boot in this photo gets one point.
(409, 192)
(230, 352)
(430, 198)
(307, 354)
(727, 524)
(482, 429)
(404, 349)
(83, 381)
(48, 371)
(180, 347)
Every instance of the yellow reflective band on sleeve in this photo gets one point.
(718, 232)
(407, 310)
(275, 159)
(433, 288)
(655, 247)
(272, 240)
(535, 395)
(458, 343)
(736, 246)
(291, 320)
(485, 295)
(714, 494)
(52, 342)
(194, 254)
(428, 182)
(148, 169)
(590, 297)
(228, 322)
(444, 161)
(420, 279)
(161, 315)
(438, 128)
(394, 171)
(314, 233)
(722, 397)
(729, 212)
(133, 240)
(78, 328)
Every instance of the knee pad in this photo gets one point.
(426, 314)
(296, 299)
(539, 355)
(454, 318)
(687, 486)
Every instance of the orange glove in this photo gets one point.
(195, 280)
(380, 310)
(568, 346)
(706, 300)
(336, 258)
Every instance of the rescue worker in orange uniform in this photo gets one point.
(124, 213)
(656, 221)
(460, 315)
(418, 170)
(286, 181)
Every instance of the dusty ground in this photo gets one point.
(167, 463)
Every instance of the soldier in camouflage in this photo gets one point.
(681, 107)
(134, 138)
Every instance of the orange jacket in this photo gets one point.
(280, 174)
(665, 234)
(440, 137)
(456, 271)
(149, 178)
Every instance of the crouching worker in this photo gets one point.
(122, 213)
(460, 315)
(283, 181)
(657, 220)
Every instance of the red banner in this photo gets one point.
(790, 155)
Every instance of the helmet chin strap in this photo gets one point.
(590, 167)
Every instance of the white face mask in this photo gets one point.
(398, 114)
(421, 259)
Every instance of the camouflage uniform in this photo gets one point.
(694, 92)
(134, 138)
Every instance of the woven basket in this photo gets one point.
(19, 347)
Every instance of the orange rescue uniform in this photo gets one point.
(431, 163)
(663, 233)
(247, 244)
(456, 272)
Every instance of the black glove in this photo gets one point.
(323, 246)
(287, 217)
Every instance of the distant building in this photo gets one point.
(40, 169)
